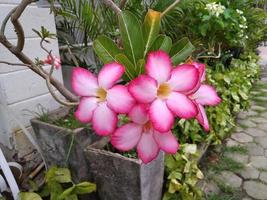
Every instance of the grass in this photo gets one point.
(228, 164)
(236, 149)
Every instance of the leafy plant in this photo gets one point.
(137, 41)
(59, 186)
(183, 174)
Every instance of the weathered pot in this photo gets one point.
(64, 147)
(121, 178)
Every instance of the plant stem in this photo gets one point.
(169, 8)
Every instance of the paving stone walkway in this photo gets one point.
(250, 134)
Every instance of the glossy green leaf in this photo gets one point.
(85, 188)
(66, 193)
(162, 42)
(29, 196)
(60, 175)
(151, 28)
(106, 49)
(130, 69)
(181, 51)
(132, 38)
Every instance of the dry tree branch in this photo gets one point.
(15, 64)
(169, 8)
(112, 5)
(48, 77)
(17, 50)
(215, 56)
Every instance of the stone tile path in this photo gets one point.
(251, 133)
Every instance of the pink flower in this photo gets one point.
(164, 87)
(57, 61)
(101, 99)
(141, 133)
(203, 95)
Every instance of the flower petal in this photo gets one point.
(139, 114)
(104, 120)
(147, 147)
(184, 78)
(159, 66)
(201, 70)
(85, 109)
(206, 95)
(167, 142)
(127, 136)
(161, 117)
(202, 118)
(110, 74)
(119, 99)
(181, 105)
(143, 89)
(83, 82)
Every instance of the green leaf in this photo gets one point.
(162, 5)
(141, 66)
(151, 28)
(29, 196)
(162, 42)
(106, 49)
(66, 193)
(181, 51)
(131, 35)
(60, 175)
(130, 70)
(85, 188)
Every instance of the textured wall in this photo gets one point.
(20, 89)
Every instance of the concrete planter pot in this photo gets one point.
(121, 178)
(64, 147)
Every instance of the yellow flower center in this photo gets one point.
(147, 127)
(164, 90)
(101, 94)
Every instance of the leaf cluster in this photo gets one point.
(59, 186)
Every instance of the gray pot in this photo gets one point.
(121, 178)
(64, 147)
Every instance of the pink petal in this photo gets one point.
(161, 117)
(159, 66)
(143, 89)
(147, 147)
(206, 95)
(184, 78)
(181, 105)
(201, 69)
(119, 99)
(110, 74)
(202, 118)
(126, 137)
(167, 142)
(85, 109)
(83, 82)
(138, 114)
(104, 120)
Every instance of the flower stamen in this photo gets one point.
(164, 90)
(101, 94)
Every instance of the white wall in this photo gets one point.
(20, 89)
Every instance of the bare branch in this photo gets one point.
(15, 64)
(17, 50)
(112, 5)
(169, 8)
(48, 78)
(214, 56)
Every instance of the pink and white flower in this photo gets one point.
(202, 95)
(165, 88)
(101, 100)
(140, 132)
(57, 61)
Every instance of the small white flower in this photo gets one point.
(215, 9)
